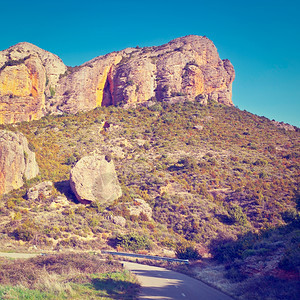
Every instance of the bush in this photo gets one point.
(132, 241)
(187, 251)
(260, 162)
(26, 231)
(188, 163)
(52, 91)
(236, 215)
(156, 107)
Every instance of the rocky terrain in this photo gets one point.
(37, 82)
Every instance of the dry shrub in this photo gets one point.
(54, 272)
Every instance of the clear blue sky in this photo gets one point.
(260, 37)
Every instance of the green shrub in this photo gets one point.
(133, 241)
(52, 91)
(186, 251)
(260, 162)
(25, 231)
(236, 215)
(156, 107)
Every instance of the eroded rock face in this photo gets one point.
(34, 82)
(94, 179)
(16, 161)
(183, 69)
(28, 78)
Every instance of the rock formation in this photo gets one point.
(94, 179)
(34, 82)
(16, 161)
(28, 79)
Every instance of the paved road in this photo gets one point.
(17, 255)
(159, 283)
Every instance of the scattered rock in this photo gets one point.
(17, 162)
(93, 178)
(140, 206)
(118, 220)
(40, 191)
(59, 202)
(198, 127)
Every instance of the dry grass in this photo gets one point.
(54, 273)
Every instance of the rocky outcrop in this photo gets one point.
(94, 179)
(28, 79)
(40, 191)
(186, 68)
(17, 162)
(139, 207)
(34, 82)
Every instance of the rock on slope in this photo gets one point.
(16, 161)
(94, 179)
(34, 82)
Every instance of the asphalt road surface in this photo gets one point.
(163, 284)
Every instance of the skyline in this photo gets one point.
(260, 38)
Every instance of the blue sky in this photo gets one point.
(261, 38)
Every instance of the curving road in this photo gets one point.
(159, 283)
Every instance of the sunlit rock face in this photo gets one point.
(28, 78)
(34, 82)
(183, 69)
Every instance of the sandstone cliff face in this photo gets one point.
(34, 82)
(16, 161)
(179, 70)
(28, 77)
(88, 87)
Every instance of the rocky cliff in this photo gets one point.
(17, 162)
(34, 82)
(28, 77)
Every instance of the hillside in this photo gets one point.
(211, 174)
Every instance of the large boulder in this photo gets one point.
(94, 179)
(17, 162)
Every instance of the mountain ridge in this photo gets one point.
(35, 82)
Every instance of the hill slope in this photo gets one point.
(211, 174)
